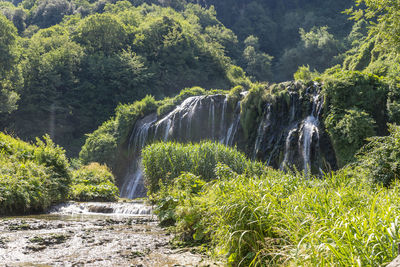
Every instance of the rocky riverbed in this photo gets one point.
(91, 234)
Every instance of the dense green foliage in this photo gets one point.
(285, 219)
(163, 162)
(380, 157)
(32, 177)
(355, 105)
(76, 72)
(93, 182)
(35, 176)
(75, 61)
(8, 73)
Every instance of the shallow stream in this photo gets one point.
(91, 234)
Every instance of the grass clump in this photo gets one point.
(93, 182)
(32, 176)
(165, 161)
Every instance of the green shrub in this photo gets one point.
(166, 161)
(355, 108)
(53, 157)
(23, 186)
(101, 145)
(381, 157)
(349, 132)
(304, 74)
(32, 177)
(181, 192)
(93, 182)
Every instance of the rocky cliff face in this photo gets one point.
(288, 132)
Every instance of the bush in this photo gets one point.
(181, 192)
(381, 157)
(101, 145)
(22, 186)
(353, 110)
(163, 162)
(349, 132)
(32, 177)
(305, 75)
(93, 182)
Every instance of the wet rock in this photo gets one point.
(18, 226)
(49, 240)
(100, 209)
(3, 242)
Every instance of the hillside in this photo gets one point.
(68, 64)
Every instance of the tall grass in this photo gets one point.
(166, 161)
(276, 218)
(286, 219)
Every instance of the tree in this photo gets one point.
(317, 48)
(102, 32)
(258, 64)
(51, 12)
(8, 60)
(385, 17)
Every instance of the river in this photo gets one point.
(92, 234)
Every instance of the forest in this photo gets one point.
(262, 132)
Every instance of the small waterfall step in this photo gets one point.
(132, 208)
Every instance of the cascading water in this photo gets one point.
(222, 126)
(303, 135)
(287, 136)
(262, 128)
(310, 129)
(195, 119)
(211, 116)
(138, 138)
(233, 127)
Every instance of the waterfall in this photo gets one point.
(310, 129)
(193, 120)
(230, 136)
(286, 159)
(261, 131)
(303, 134)
(139, 138)
(211, 118)
(287, 135)
(222, 126)
(129, 188)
